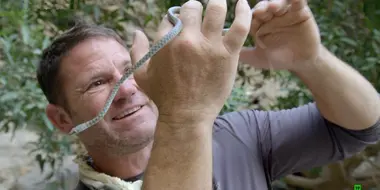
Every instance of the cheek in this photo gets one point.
(91, 105)
(96, 103)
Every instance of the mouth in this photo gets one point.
(127, 113)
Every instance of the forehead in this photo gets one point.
(92, 50)
(92, 54)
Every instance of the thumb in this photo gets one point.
(139, 48)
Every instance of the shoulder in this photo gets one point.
(237, 119)
(238, 128)
(244, 124)
(237, 152)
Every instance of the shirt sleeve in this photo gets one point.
(295, 139)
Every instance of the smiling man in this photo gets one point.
(175, 99)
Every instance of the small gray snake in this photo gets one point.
(152, 51)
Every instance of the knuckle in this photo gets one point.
(217, 9)
(184, 44)
(241, 29)
(221, 57)
(215, 54)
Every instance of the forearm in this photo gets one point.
(343, 96)
(181, 158)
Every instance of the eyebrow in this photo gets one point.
(96, 72)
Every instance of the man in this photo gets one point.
(188, 81)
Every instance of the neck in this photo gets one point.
(123, 167)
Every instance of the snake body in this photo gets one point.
(152, 51)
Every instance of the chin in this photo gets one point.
(135, 140)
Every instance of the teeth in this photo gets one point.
(128, 112)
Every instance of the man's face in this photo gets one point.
(89, 73)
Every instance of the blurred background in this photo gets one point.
(33, 155)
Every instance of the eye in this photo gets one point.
(97, 83)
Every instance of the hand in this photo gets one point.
(193, 75)
(286, 35)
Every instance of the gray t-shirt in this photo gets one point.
(252, 148)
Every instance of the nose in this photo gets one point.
(126, 90)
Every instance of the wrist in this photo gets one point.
(312, 65)
(174, 134)
(184, 126)
(186, 117)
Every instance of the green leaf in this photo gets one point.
(46, 42)
(349, 41)
(9, 96)
(368, 66)
(148, 18)
(25, 34)
(372, 59)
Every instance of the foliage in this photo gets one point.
(22, 102)
(351, 30)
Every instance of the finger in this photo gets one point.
(139, 48)
(164, 28)
(297, 5)
(255, 24)
(278, 7)
(191, 16)
(214, 19)
(281, 23)
(235, 37)
(260, 11)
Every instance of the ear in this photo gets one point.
(59, 118)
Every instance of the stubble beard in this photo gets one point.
(119, 145)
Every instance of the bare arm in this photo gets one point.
(291, 41)
(342, 95)
(183, 154)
